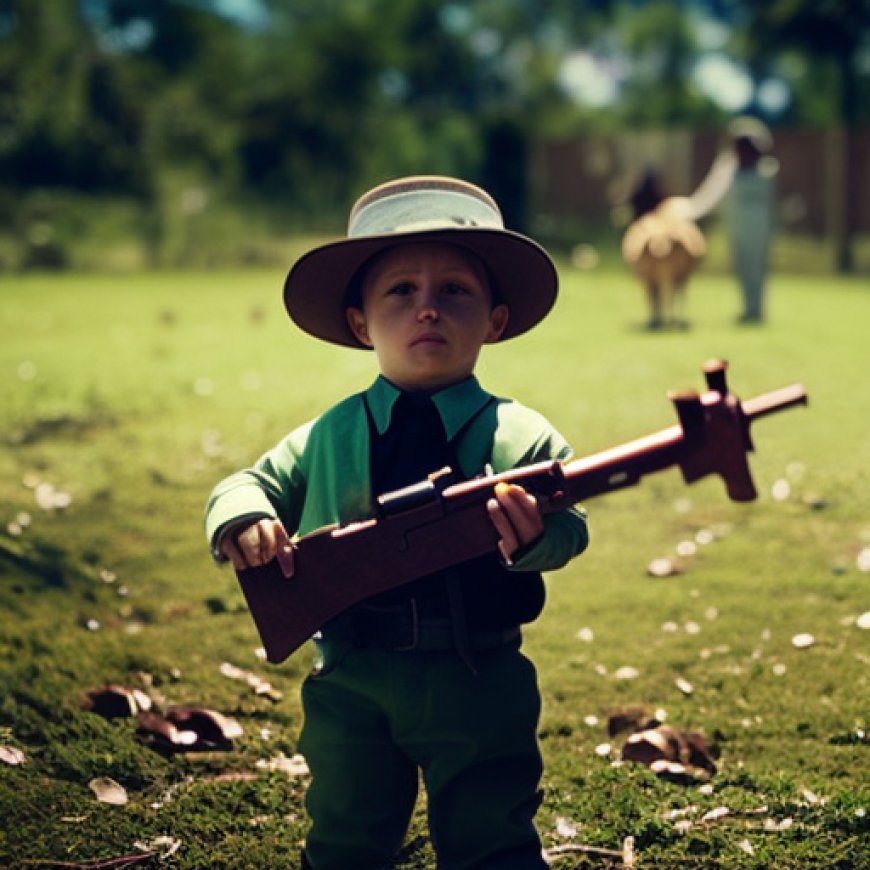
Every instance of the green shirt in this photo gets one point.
(319, 474)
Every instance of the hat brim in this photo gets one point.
(524, 276)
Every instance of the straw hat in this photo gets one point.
(420, 208)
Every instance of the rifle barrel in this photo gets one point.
(776, 400)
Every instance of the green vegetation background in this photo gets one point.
(134, 394)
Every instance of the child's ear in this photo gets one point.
(498, 320)
(357, 322)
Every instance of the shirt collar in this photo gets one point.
(456, 404)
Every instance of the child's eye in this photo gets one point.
(455, 289)
(402, 289)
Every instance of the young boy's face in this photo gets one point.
(426, 310)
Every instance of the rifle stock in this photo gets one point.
(436, 524)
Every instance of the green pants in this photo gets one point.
(375, 719)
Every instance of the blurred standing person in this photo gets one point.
(742, 180)
(750, 212)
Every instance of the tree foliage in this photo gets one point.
(314, 99)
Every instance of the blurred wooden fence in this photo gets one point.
(823, 186)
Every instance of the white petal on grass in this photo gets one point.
(296, 765)
(586, 635)
(12, 755)
(684, 686)
(781, 490)
(603, 750)
(203, 387)
(565, 828)
(166, 846)
(863, 621)
(26, 371)
(626, 672)
(715, 814)
(862, 561)
(804, 640)
(687, 548)
(662, 568)
(776, 826)
(108, 791)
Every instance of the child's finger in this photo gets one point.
(232, 552)
(508, 541)
(521, 510)
(284, 547)
(267, 546)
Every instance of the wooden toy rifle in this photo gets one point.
(438, 523)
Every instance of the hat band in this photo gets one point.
(417, 211)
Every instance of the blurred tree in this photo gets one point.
(831, 35)
(62, 112)
(305, 104)
(662, 45)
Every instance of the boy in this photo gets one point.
(427, 677)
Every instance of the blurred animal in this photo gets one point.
(663, 245)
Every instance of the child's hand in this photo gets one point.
(257, 544)
(516, 518)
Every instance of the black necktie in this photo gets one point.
(414, 446)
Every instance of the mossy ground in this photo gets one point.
(132, 395)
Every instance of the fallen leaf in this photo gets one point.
(209, 725)
(163, 734)
(670, 752)
(629, 719)
(114, 701)
(108, 791)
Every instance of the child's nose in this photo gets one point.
(428, 308)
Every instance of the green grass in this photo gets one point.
(135, 394)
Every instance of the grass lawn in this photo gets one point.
(125, 398)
